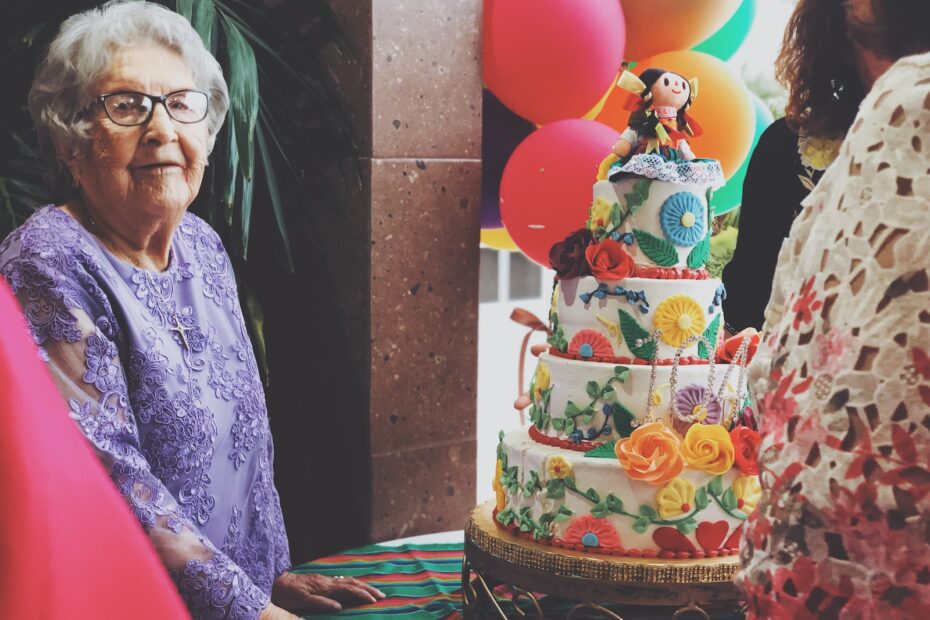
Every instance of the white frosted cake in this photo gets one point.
(642, 443)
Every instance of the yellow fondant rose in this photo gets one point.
(651, 454)
(541, 380)
(558, 467)
(498, 487)
(748, 491)
(675, 498)
(708, 447)
(679, 317)
(600, 214)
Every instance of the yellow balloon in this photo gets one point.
(654, 26)
(498, 239)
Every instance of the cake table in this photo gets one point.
(646, 588)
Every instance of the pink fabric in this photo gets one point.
(90, 560)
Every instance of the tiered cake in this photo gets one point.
(641, 442)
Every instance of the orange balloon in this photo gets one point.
(654, 26)
(723, 107)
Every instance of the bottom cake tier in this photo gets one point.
(586, 501)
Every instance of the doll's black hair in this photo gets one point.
(646, 125)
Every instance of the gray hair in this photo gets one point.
(80, 57)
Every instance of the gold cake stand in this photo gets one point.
(685, 589)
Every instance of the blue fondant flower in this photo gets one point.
(684, 219)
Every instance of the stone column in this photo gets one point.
(398, 294)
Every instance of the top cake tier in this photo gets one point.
(660, 224)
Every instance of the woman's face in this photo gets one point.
(152, 170)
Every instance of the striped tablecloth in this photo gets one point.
(421, 581)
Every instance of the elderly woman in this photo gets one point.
(842, 377)
(133, 303)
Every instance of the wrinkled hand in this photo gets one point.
(273, 612)
(317, 593)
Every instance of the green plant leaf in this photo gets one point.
(603, 451)
(648, 511)
(185, 8)
(227, 167)
(274, 193)
(633, 331)
(623, 419)
(243, 93)
(715, 487)
(711, 335)
(658, 250)
(245, 205)
(700, 253)
(202, 16)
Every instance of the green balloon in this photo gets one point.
(730, 195)
(730, 37)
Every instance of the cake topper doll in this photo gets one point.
(659, 123)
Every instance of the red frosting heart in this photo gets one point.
(670, 539)
(710, 535)
(733, 540)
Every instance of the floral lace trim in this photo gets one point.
(219, 589)
(652, 166)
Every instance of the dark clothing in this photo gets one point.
(772, 195)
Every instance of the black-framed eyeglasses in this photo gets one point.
(129, 108)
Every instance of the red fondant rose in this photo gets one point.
(609, 261)
(746, 444)
(568, 257)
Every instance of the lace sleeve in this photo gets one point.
(80, 343)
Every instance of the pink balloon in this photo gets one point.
(549, 60)
(546, 185)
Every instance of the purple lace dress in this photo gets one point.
(159, 374)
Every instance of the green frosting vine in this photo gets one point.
(598, 393)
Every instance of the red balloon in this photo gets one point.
(549, 60)
(546, 185)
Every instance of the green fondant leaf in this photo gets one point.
(616, 214)
(700, 253)
(614, 503)
(715, 488)
(621, 372)
(711, 335)
(546, 518)
(633, 331)
(729, 500)
(564, 513)
(658, 250)
(593, 495)
(555, 489)
(561, 517)
(687, 525)
(525, 526)
(594, 390)
(608, 392)
(641, 524)
(588, 415)
(569, 426)
(701, 500)
(571, 410)
(558, 424)
(637, 197)
(506, 516)
(623, 419)
(603, 451)
(649, 512)
(600, 510)
(557, 339)
(569, 483)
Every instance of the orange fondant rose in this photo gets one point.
(651, 454)
(746, 445)
(609, 261)
(708, 447)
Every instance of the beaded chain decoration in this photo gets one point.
(740, 360)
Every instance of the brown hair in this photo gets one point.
(816, 62)
(816, 66)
